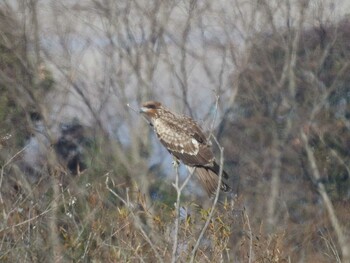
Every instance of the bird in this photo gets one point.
(186, 141)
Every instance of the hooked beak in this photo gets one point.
(143, 110)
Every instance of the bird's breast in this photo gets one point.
(175, 138)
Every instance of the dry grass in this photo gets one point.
(93, 222)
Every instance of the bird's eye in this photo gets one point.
(151, 106)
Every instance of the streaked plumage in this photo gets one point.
(185, 140)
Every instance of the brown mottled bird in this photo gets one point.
(186, 141)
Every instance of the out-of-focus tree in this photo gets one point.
(294, 79)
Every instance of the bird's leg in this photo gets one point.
(175, 162)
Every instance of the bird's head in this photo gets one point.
(150, 109)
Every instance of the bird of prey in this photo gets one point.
(186, 141)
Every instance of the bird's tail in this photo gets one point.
(209, 179)
(216, 169)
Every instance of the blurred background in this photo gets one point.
(69, 143)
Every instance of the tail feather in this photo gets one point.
(210, 179)
(216, 169)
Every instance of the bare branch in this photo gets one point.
(179, 188)
(246, 217)
(211, 213)
(342, 240)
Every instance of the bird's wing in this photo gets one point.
(185, 140)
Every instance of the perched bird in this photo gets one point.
(186, 141)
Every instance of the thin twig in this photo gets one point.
(86, 247)
(200, 237)
(128, 105)
(177, 216)
(250, 236)
(3, 168)
(179, 190)
(138, 112)
(56, 245)
(331, 246)
(215, 115)
(142, 230)
(26, 221)
(114, 193)
(130, 206)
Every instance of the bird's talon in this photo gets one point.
(175, 162)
